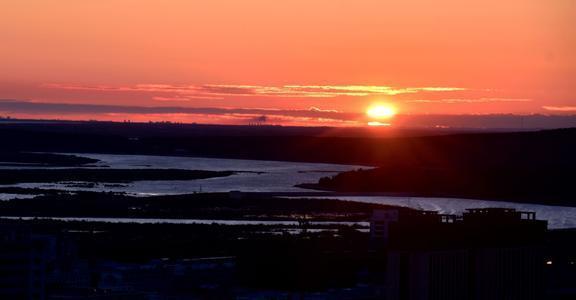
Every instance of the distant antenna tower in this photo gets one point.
(258, 121)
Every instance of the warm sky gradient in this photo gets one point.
(425, 57)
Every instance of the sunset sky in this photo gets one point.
(301, 62)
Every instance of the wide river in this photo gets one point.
(276, 176)
(252, 176)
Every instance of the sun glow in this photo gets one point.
(381, 111)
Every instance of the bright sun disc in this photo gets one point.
(381, 111)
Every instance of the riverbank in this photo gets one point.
(207, 206)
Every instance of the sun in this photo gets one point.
(381, 111)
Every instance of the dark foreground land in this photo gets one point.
(87, 260)
(193, 261)
(199, 261)
(191, 206)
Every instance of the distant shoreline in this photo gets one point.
(15, 176)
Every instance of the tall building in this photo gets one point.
(488, 253)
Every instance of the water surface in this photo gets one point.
(252, 176)
(557, 216)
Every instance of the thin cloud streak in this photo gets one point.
(313, 108)
(218, 91)
(560, 108)
(480, 100)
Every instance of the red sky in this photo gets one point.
(425, 57)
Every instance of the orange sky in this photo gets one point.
(426, 57)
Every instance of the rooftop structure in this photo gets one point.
(488, 253)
